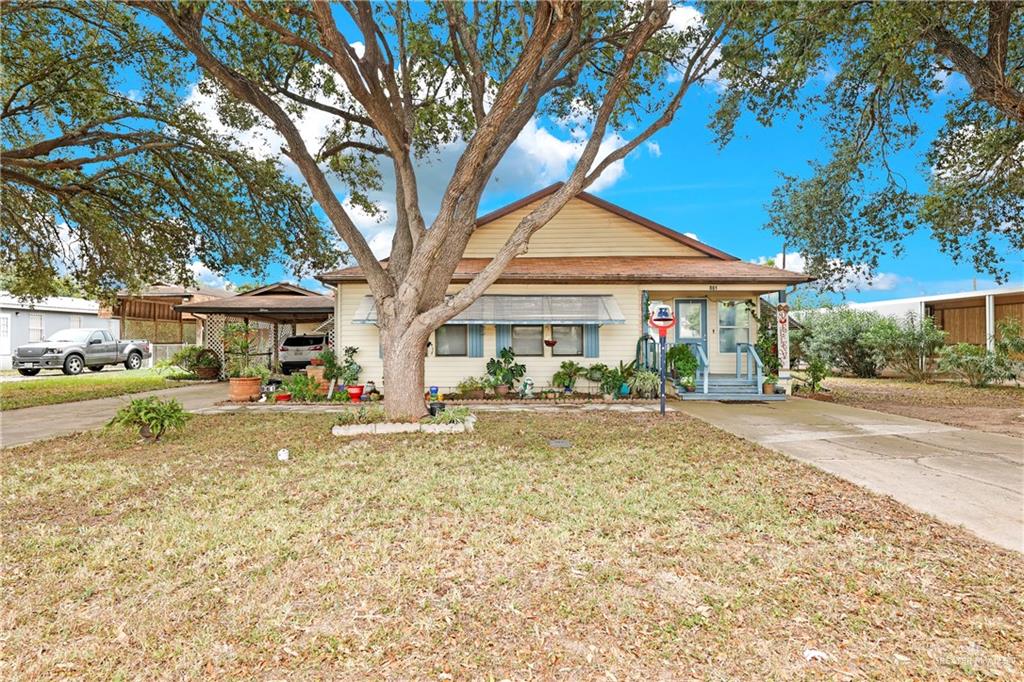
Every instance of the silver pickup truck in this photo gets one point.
(72, 350)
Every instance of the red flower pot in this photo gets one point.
(283, 397)
(355, 392)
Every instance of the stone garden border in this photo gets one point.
(383, 428)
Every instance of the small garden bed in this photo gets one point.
(373, 420)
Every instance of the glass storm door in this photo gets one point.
(692, 321)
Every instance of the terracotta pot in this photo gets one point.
(355, 392)
(316, 362)
(207, 372)
(283, 397)
(316, 373)
(244, 389)
(475, 395)
(502, 389)
(768, 389)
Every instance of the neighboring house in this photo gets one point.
(584, 283)
(150, 314)
(24, 321)
(966, 316)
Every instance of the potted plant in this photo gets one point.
(645, 383)
(348, 374)
(611, 383)
(681, 362)
(505, 371)
(244, 381)
(206, 364)
(768, 387)
(625, 373)
(567, 375)
(244, 377)
(471, 388)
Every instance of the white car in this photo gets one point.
(297, 351)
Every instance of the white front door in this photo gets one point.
(5, 340)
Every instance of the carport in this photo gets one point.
(280, 309)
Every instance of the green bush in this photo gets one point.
(363, 415)
(612, 381)
(1010, 344)
(302, 387)
(151, 416)
(838, 337)
(455, 415)
(974, 364)
(568, 374)
(191, 358)
(471, 385)
(347, 373)
(817, 371)
(909, 345)
(645, 383)
(680, 359)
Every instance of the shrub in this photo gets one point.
(191, 358)
(151, 416)
(680, 359)
(908, 346)
(838, 338)
(302, 387)
(470, 385)
(645, 383)
(817, 371)
(612, 381)
(348, 372)
(974, 364)
(456, 415)
(238, 369)
(568, 374)
(1010, 344)
(363, 415)
(504, 369)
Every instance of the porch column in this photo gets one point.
(337, 322)
(990, 323)
(782, 339)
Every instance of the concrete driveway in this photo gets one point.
(29, 424)
(970, 478)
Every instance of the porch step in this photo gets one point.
(730, 397)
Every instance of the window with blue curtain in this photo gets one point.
(502, 337)
(591, 340)
(476, 340)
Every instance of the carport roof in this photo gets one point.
(276, 302)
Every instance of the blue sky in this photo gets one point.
(686, 182)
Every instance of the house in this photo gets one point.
(24, 321)
(585, 284)
(150, 314)
(966, 316)
(275, 311)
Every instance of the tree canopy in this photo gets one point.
(868, 70)
(109, 177)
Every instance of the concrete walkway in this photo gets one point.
(970, 478)
(47, 421)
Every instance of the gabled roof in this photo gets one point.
(162, 289)
(607, 206)
(280, 288)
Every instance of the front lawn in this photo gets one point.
(999, 409)
(51, 390)
(650, 549)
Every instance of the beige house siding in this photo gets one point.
(617, 342)
(579, 229)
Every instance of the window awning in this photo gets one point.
(514, 309)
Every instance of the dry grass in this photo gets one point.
(999, 409)
(651, 549)
(65, 389)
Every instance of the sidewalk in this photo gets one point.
(970, 478)
(28, 424)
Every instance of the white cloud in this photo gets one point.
(653, 148)
(855, 277)
(380, 243)
(208, 278)
(687, 18)
(692, 235)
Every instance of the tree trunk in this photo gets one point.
(403, 374)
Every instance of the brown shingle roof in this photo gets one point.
(270, 305)
(611, 269)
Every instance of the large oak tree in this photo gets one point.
(111, 180)
(400, 80)
(883, 65)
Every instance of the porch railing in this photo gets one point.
(753, 360)
(702, 358)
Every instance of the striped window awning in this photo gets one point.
(525, 309)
